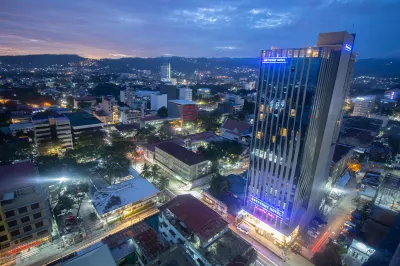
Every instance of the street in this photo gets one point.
(51, 252)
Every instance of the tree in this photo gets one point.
(16, 150)
(219, 184)
(329, 257)
(64, 203)
(164, 132)
(155, 172)
(162, 112)
(146, 172)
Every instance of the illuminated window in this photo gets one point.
(273, 139)
(261, 116)
(262, 108)
(296, 53)
(315, 53)
(284, 132)
(259, 134)
(292, 112)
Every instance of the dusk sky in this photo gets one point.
(151, 28)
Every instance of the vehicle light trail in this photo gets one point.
(320, 242)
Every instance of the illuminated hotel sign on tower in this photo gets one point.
(298, 113)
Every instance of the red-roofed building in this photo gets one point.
(235, 130)
(189, 217)
(200, 231)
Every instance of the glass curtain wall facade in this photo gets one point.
(297, 118)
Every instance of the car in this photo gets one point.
(242, 228)
(350, 224)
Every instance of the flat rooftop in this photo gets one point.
(99, 256)
(341, 150)
(82, 119)
(230, 249)
(198, 217)
(182, 102)
(85, 98)
(16, 176)
(107, 198)
(181, 153)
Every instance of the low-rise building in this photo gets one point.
(87, 100)
(183, 109)
(388, 196)
(121, 200)
(203, 93)
(127, 96)
(363, 106)
(82, 122)
(185, 94)
(235, 130)
(154, 121)
(21, 127)
(25, 218)
(186, 164)
(200, 235)
(340, 161)
(130, 116)
(49, 127)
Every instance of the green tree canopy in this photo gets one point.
(162, 112)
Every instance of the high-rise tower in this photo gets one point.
(298, 113)
(165, 72)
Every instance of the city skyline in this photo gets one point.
(102, 29)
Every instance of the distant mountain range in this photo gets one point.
(363, 67)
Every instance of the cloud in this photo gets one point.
(266, 18)
(226, 48)
(204, 16)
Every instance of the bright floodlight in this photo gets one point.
(62, 179)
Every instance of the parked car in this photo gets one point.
(243, 228)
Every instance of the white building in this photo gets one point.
(110, 106)
(130, 116)
(185, 94)
(118, 201)
(250, 86)
(363, 106)
(23, 127)
(165, 73)
(157, 101)
(127, 96)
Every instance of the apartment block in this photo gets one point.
(25, 218)
(50, 126)
(184, 163)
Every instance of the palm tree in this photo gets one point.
(146, 173)
(155, 172)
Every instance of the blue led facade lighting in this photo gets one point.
(275, 60)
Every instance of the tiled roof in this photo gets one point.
(199, 218)
(235, 126)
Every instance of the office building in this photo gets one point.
(25, 218)
(363, 106)
(185, 94)
(127, 96)
(51, 127)
(157, 101)
(184, 163)
(82, 122)
(183, 109)
(201, 235)
(387, 106)
(300, 97)
(203, 93)
(171, 91)
(165, 73)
